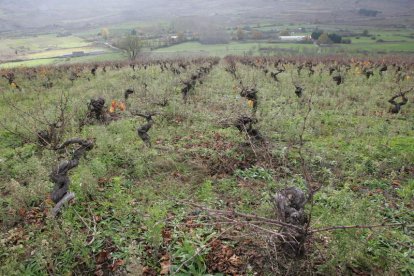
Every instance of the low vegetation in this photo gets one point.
(234, 166)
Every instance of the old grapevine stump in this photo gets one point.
(290, 203)
(59, 176)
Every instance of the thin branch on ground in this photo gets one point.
(344, 227)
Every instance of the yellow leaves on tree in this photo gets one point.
(115, 105)
(105, 33)
(250, 103)
(324, 39)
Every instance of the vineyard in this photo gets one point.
(208, 166)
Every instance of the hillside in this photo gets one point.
(234, 166)
(27, 14)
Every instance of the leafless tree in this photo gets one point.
(132, 45)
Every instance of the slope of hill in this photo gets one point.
(192, 189)
(29, 14)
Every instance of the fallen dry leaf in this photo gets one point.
(167, 236)
(165, 265)
(116, 264)
(102, 257)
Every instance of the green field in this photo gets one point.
(201, 199)
(43, 48)
(29, 63)
(110, 56)
(41, 42)
(61, 52)
(233, 48)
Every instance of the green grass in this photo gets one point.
(403, 144)
(363, 44)
(61, 52)
(387, 47)
(41, 42)
(132, 207)
(393, 41)
(29, 63)
(233, 48)
(110, 56)
(41, 46)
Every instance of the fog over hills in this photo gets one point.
(77, 13)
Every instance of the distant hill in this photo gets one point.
(21, 14)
